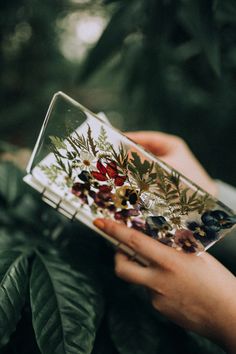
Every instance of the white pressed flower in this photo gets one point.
(86, 160)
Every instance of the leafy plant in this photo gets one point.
(58, 291)
(174, 62)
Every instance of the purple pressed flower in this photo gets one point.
(103, 197)
(92, 194)
(218, 219)
(138, 224)
(125, 214)
(111, 208)
(168, 241)
(186, 240)
(81, 190)
(202, 232)
(157, 226)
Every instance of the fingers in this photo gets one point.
(131, 271)
(143, 245)
(158, 143)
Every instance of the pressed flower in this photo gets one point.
(127, 187)
(125, 214)
(92, 194)
(108, 171)
(186, 240)
(85, 176)
(124, 195)
(103, 198)
(86, 160)
(157, 226)
(176, 220)
(202, 232)
(111, 208)
(105, 189)
(218, 219)
(81, 190)
(138, 224)
(168, 241)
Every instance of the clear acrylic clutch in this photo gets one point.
(86, 169)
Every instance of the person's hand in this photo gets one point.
(196, 292)
(174, 151)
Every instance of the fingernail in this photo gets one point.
(99, 223)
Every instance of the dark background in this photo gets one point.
(148, 64)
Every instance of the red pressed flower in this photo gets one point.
(108, 171)
(101, 168)
(112, 169)
(101, 175)
(105, 189)
(120, 180)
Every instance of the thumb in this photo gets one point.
(158, 143)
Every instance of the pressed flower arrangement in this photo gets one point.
(58, 291)
(118, 182)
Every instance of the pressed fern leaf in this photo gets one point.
(102, 141)
(91, 141)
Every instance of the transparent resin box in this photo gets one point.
(86, 169)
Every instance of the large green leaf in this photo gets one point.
(13, 286)
(133, 329)
(66, 307)
(11, 184)
(12, 239)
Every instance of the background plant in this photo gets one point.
(159, 64)
(176, 64)
(171, 68)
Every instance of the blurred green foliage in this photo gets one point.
(159, 64)
(177, 64)
(31, 65)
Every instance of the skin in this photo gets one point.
(196, 292)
